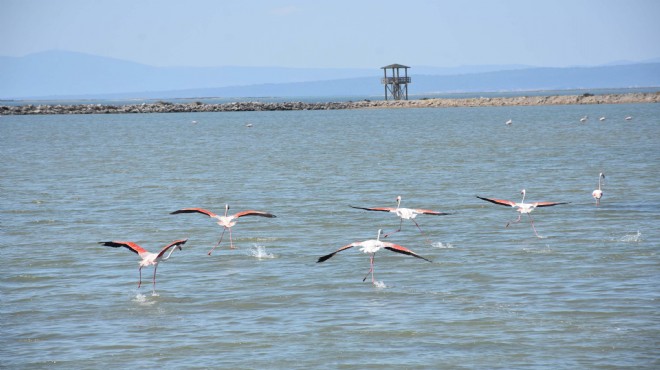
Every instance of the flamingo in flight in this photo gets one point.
(372, 246)
(522, 207)
(226, 221)
(404, 214)
(148, 258)
(598, 193)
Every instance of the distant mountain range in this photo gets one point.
(70, 75)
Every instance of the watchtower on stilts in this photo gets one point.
(396, 84)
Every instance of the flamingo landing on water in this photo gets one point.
(598, 193)
(372, 246)
(148, 258)
(226, 221)
(522, 207)
(404, 214)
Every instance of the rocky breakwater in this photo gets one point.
(167, 107)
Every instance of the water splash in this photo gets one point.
(380, 285)
(142, 299)
(545, 250)
(259, 251)
(632, 238)
(442, 245)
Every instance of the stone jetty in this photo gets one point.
(168, 107)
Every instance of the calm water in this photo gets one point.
(584, 296)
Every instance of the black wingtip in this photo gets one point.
(325, 258)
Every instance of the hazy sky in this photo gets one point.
(337, 33)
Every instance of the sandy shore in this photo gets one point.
(166, 107)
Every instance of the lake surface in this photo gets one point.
(585, 295)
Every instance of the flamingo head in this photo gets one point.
(601, 175)
(523, 192)
(398, 200)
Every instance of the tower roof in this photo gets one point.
(395, 65)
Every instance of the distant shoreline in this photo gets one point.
(167, 107)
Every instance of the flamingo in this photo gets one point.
(509, 122)
(597, 194)
(628, 118)
(522, 207)
(584, 119)
(148, 258)
(226, 221)
(602, 118)
(404, 214)
(372, 246)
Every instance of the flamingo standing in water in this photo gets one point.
(522, 207)
(372, 246)
(404, 214)
(226, 221)
(148, 258)
(598, 193)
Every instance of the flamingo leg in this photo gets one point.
(231, 241)
(154, 280)
(390, 233)
(420, 230)
(597, 202)
(219, 241)
(533, 228)
(371, 270)
(140, 272)
(514, 222)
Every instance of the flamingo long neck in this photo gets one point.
(523, 198)
(599, 177)
(226, 209)
(169, 254)
(398, 202)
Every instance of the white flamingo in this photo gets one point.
(522, 207)
(372, 246)
(598, 193)
(148, 258)
(226, 221)
(404, 214)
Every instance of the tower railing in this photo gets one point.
(395, 80)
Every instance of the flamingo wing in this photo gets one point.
(403, 250)
(195, 210)
(380, 209)
(253, 213)
(328, 256)
(176, 243)
(502, 202)
(548, 204)
(129, 245)
(430, 212)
